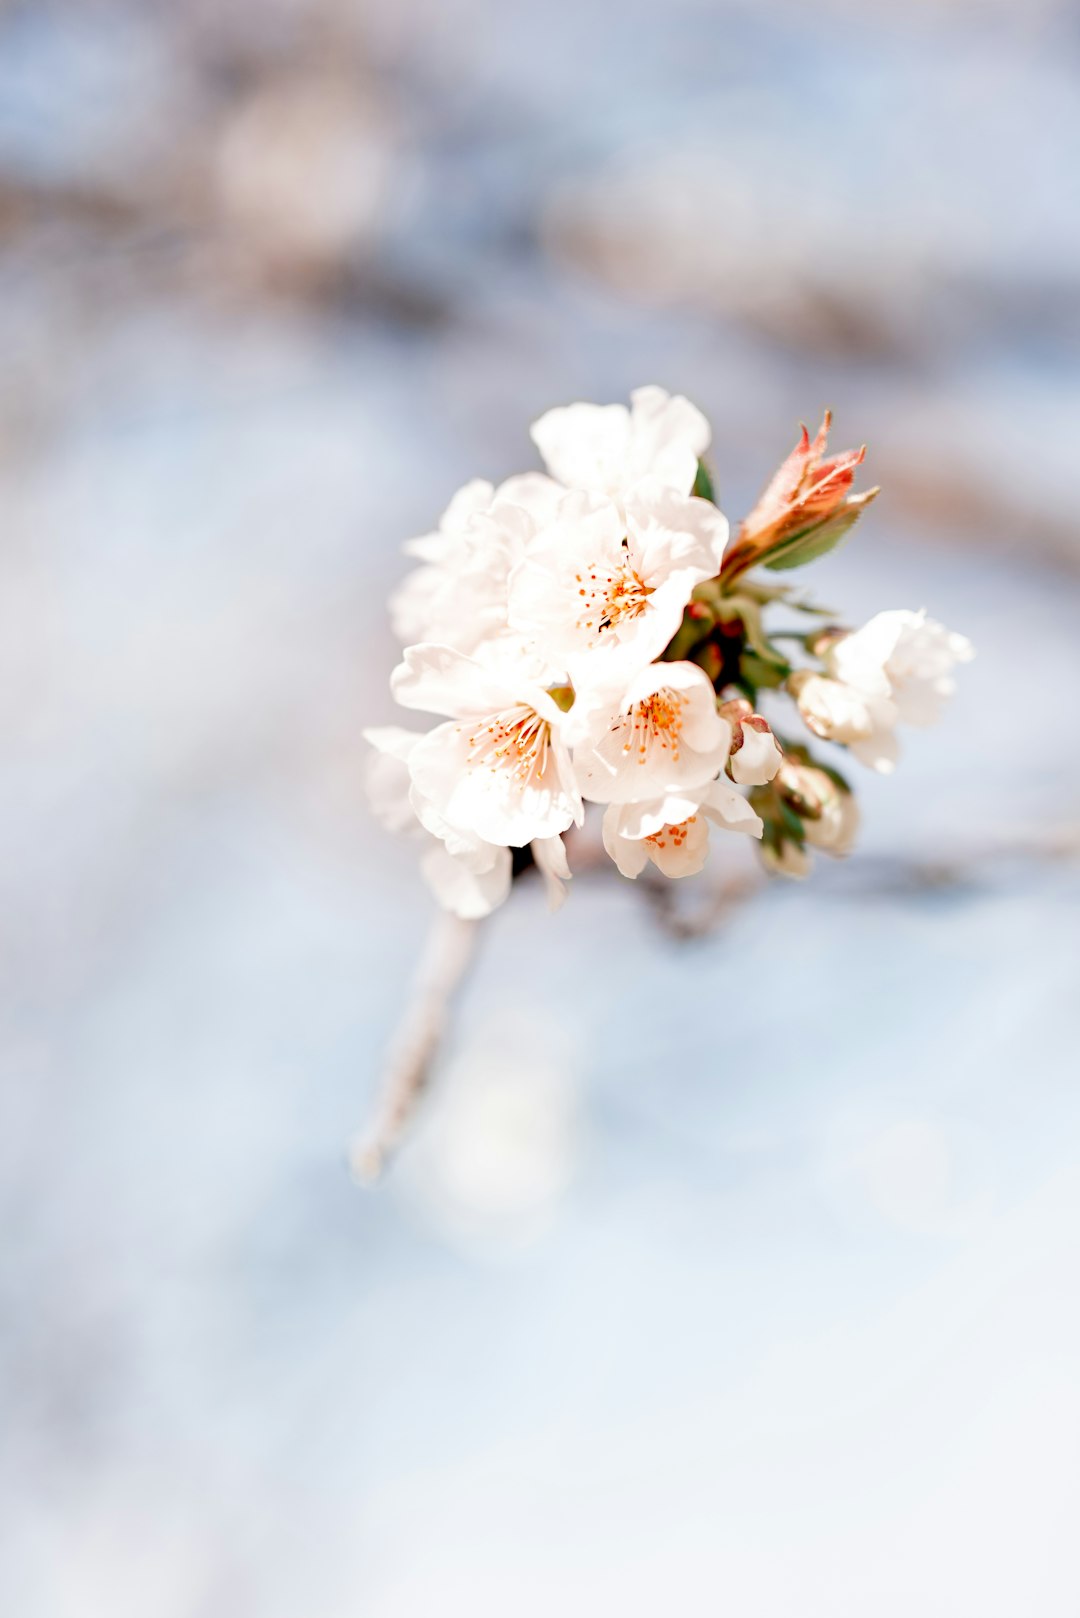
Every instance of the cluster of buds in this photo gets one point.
(587, 635)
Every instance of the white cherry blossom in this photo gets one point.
(550, 856)
(912, 653)
(608, 449)
(499, 769)
(673, 832)
(472, 880)
(387, 777)
(861, 718)
(896, 669)
(536, 629)
(459, 596)
(604, 591)
(664, 735)
(468, 885)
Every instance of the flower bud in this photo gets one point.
(786, 858)
(832, 710)
(755, 753)
(808, 790)
(836, 829)
(808, 495)
(829, 813)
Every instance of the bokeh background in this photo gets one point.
(735, 1275)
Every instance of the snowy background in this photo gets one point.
(728, 1276)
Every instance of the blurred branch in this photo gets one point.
(717, 905)
(448, 953)
(451, 948)
(867, 878)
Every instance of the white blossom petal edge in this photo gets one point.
(608, 449)
(674, 832)
(499, 770)
(913, 653)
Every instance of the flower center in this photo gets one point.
(515, 740)
(659, 719)
(610, 596)
(672, 836)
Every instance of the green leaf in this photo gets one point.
(791, 823)
(703, 484)
(817, 540)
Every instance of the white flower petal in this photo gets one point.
(487, 793)
(835, 711)
(608, 449)
(879, 751)
(676, 842)
(730, 809)
(670, 436)
(462, 888)
(550, 856)
(665, 735)
(387, 777)
(759, 757)
(442, 680)
(538, 496)
(689, 533)
(906, 657)
(630, 854)
(604, 593)
(473, 498)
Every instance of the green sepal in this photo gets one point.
(748, 612)
(704, 487)
(817, 540)
(790, 823)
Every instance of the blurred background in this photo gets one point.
(762, 1301)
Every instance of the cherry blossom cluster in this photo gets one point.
(594, 635)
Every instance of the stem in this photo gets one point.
(447, 955)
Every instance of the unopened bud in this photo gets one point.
(808, 790)
(829, 813)
(832, 710)
(835, 830)
(786, 858)
(758, 757)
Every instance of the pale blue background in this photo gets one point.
(730, 1277)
